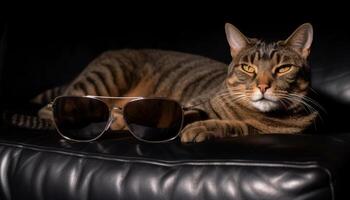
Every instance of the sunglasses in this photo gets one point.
(86, 118)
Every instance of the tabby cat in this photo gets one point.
(263, 90)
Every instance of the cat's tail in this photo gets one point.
(31, 121)
(26, 121)
(48, 95)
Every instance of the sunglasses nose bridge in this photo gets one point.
(117, 109)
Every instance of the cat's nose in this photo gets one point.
(263, 87)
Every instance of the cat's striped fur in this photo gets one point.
(250, 96)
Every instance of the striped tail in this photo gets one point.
(48, 95)
(27, 121)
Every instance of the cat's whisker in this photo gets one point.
(227, 94)
(293, 99)
(310, 100)
(221, 96)
(232, 98)
(313, 110)
(309, 108)
(313, 90)
(305, 102)
(304, 106)
(284, 104)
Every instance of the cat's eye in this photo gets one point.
(283, 69)
(248, 68)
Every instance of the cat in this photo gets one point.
(262, 91)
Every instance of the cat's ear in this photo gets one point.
(301, 39)
(235, 38)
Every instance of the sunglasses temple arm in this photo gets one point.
(50, 105)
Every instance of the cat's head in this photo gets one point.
(269, 76)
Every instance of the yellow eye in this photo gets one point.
(248, 68)
(283, 69)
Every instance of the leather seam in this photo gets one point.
(308, 164)
(164, 162)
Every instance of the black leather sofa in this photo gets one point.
(41, 165)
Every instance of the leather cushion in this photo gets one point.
(40, 165)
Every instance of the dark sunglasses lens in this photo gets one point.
(80, 118)
(154, 120)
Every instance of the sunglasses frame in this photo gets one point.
(111, 118)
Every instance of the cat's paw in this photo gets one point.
(195, 132)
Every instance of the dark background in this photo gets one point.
(46, 47)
